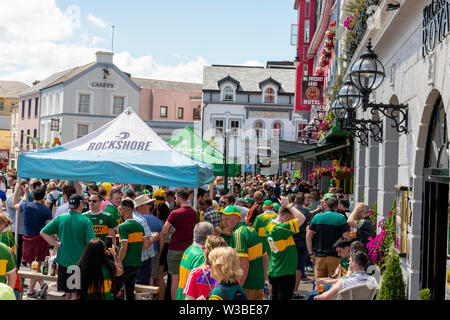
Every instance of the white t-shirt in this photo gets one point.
(356, 279)
(62, 209)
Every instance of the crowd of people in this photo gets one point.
(255, 241)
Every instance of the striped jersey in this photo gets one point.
(132, 232)
(283, 260)
(102, 221)
(192, 258)
(106, 293)
(246, 242)
(260, 224)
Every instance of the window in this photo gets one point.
(29, 108)
(218, 125)
(305, 69)
(259, 129)
(228, 93)
(269, 95)
(307, 33)
(197, 113)
(163, 112)
(35, 136)
(118, 104)
(23, 109)
(234, 127)
(82, 130)
(2, 105)
(21, 137)
(36, 102)
(307, 8)
(84, 103)
(28, 137)
(15, 117)
(276, 129)
(300, 128)
(180, 113)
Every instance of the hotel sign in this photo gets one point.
(435, 25)
(312, 92)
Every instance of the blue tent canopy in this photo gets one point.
(125, 150)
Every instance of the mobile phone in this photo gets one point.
(109, 241)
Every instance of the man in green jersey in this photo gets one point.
(104, 223)
(254, 260)
(262, 221)
(115, 197)
(74, 232)
(193, 257)
(283, 260)
(7, 266)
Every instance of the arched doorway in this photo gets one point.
(435, 217)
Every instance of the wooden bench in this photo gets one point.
(142, 292)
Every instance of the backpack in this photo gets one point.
(239, 295)
(53, 201)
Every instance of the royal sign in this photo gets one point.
(435, 25)
(312, 92)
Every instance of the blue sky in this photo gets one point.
(169, 35)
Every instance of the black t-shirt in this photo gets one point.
(300, 237)
(365, 230)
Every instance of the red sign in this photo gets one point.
(312, 92)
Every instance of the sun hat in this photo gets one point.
(268, 203)
(141, 200)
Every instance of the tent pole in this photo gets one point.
(16, 227)
(195, 198)
(211, 190)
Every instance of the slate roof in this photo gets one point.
(167, 85)
(12, 89)
(44, 83)
(248, 77)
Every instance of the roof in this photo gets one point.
(5, 122)
(12, 89)
(167, 85)
(249, 78)
(44, 83)
(69, 75)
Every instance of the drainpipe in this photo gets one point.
(203, 116)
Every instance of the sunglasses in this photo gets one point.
(93, 201)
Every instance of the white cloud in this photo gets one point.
(37, 40)
(97, 21)
(252, 63)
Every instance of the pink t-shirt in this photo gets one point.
(183, 220)
(104, 204)
(197, 283)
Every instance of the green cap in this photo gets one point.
(249, 200)
(229, 210)
(268, 203)
(276, 207)
(328, 195)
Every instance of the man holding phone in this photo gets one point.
(104, 223)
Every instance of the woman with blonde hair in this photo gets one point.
(200, 282)
(226, 269)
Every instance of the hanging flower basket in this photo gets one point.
(341, 175)
(341, 172)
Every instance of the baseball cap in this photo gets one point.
(250, 200)
(276, 206)
(268, 203)
(229, 210)
(75, 200)
(328, 195)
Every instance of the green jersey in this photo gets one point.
(132, 232)
(102, 221)
(192, 258)
(74, 231)
(105, 293)
(260, 223)
(8, 239)
(344, 266)
(114, 212)
(246, 242)
(283, 260)
(6, 262)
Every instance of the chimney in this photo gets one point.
(104, 57)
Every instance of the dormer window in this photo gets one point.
(228, 93)
(269, 95)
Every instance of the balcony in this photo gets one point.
(336, 132)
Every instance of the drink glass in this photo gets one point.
(320, 288)
(354, 232)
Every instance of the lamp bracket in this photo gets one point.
(397, 113)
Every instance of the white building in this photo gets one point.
(255, 105)
(85, 99)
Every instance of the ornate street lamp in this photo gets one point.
(338, 111)
(367, 74)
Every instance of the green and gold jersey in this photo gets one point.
(132, 232)
(105, 293)
(260, 224)
(7, 238)
(102, 221)
(192, 258)
(246, 242)
(283, 260)
(114, 212)
(6, 262)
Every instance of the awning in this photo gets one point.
(313, 151)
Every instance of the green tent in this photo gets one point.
(191, 144)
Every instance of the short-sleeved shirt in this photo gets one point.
(12, 215)
(102, 221)
(155, 225)
(245, 240)
(300, 237)
(3, 196)
(255, 210)
(110, 208)
(35, 216)
(212, 216)
(7, 265)
(344, 266)
(132, 232)
(192, 258)
(149, 252)
(260, 224)
(105, 293)
(183, 220)
(357, 278)
(198, 283)
(74, 231)
(365, 229)
(230, 289)
(329, 227)
(6, 293)
(283, 260)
